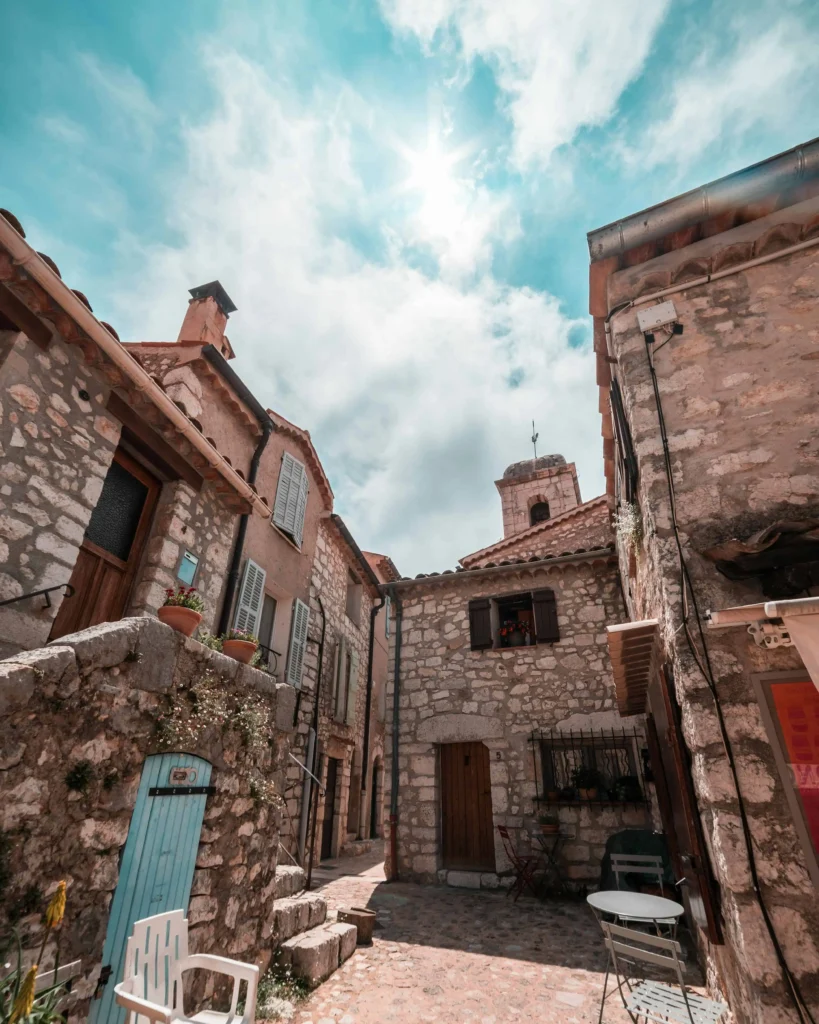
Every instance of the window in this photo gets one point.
(354, 589)
(539, 513)
(291, 498)
(346, 682)
(266, 622)
(298, 643)
(604, 766)
(249, 603)
(513, 620)
(790, 710)
(626, 459)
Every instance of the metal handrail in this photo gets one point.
(266, 652)
(69, 592)
(306, 770)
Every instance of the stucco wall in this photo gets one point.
(56, 449)
(739, 397)
(97, 697)
(449, 693)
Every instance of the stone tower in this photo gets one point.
(535, 490)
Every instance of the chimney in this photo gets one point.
(207, 317)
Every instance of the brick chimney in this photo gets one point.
(207, 317)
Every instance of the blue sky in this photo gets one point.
(396, 196)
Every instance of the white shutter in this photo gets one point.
(340, 683)
(251, 595)
(301, 507)
(352, 687)
(387, 613)
(289, 477)
(298, 643)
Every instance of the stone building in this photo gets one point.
(505, 692)
(706, 312)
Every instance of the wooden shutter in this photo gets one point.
(251, 596)
(352, 688)
(298, 643)
(480, 623)
(628, 460)
(339, 687)
(545, 609)
(283, 489)
(301, 508)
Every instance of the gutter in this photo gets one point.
(796, 166)
(224, 369)
(475, 574)
(399, 613)
(24, 256)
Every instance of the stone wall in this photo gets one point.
(336, 739)
(450, 693)
(557, 486)
(739, 398)
(97, 699)
(56, 448)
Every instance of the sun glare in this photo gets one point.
(434, 179)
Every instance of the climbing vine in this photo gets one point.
(210, 703)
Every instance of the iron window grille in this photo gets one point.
(600, 766)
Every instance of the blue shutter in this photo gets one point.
(251, 596)
(352, 688)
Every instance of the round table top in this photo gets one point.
(634, 904)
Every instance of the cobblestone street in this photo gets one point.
(446, 956)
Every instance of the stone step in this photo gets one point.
(289, 880)
(295, 914)
(315, 954)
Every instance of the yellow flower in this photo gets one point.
(25, 997)
(56, 908)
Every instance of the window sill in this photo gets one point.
(286, 536)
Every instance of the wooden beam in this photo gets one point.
(23, 319)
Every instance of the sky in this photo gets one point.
(396, 195)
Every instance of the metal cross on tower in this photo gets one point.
(535, 436)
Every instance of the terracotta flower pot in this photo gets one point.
(239, 650)
(550, 830)
(587, 794)
(363, 919)
(183, 620)
(517, 639)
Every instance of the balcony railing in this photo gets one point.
(69, 592)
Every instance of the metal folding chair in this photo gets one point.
(641, 864)
(523, 864)
(654, 1000)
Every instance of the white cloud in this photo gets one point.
(123, 96)
(726, 95)
(401, 376)
(561, 63)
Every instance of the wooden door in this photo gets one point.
(157, 862)
(678, 807)
(466, 807)
(111, 549)
(329, 809)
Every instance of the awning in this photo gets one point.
(632, 648)
(800, 619)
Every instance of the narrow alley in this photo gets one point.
(450, 956)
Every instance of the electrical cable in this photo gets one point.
(706, 669)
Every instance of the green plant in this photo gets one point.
(26, 904)
(209, 640)
(184, 597)
(627, 788)
(78, 777)
(5, 867)
(241, 634)
(585, 777)
(19, 1002)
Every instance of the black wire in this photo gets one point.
(687, 586)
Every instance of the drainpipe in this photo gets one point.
(27, 258)
(396, 600)
(304, 824)
(376, 608)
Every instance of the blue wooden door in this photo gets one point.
(158, 860)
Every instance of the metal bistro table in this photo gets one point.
(549, 844)
(636, 906)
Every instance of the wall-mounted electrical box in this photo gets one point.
(656, 316)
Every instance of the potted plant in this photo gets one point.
(240, 645)
(586, 780)
(515, 633)
(552, 795)
(549, 824)
(182, 610)
(627, 789)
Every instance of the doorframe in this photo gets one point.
(441, 790)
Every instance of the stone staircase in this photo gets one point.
(306, 943)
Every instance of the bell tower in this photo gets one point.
(535, 490)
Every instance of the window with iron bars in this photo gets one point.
(589, 766)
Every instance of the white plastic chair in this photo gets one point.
(641, 864)
(654, 1000)
(155, 958)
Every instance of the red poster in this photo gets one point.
(797, 706)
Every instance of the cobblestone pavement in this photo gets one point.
(451, 956)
